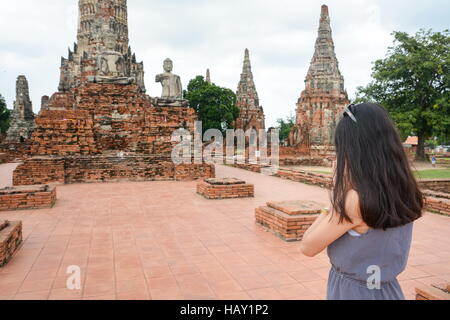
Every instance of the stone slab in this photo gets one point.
(297, 207)
(224, 181)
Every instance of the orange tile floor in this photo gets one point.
(160, 240)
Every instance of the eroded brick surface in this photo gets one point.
(226, 188)
(27, 197)
(10, 240)
(288, 220)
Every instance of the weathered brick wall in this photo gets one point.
(288, 220)
(433, 292)
(306, 177)
(63, 132)
(15, 151)
(438, 185)
(108, 117)
(29, 197)
(97, 118)
(249, 167)
(40, 170)
(438, 202)
(106, 168)
(216, 190)
(10, 240)
(306, 161)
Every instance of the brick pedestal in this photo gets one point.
(228, 188)
(10, 240)
(288, 220)
(27, 197)
(433, 292)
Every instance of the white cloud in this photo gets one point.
(200, 34)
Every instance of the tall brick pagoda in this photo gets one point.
(102, 28)
(100, 125)
(22, 123)
(251, 113)
(322, 102)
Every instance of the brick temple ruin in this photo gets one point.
(324, 99)
(100, 125)
(251, 114)
(22, 123)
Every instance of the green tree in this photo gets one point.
(215, 106)
(413, 83)
(5, 115)
(285, 127)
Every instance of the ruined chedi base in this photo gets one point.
(114, 133)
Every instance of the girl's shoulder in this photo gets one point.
(352, 205)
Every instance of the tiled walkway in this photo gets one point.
(160, 240)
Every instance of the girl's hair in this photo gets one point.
(371, 160)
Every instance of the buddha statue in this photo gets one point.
(172, 90)
(111, 65)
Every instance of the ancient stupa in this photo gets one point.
(251, 114)
(322, 102)
(22, 122)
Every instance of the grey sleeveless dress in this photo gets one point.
(353, 257)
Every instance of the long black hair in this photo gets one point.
(371, 160)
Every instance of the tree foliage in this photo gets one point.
(285, 126)
(5, 115)
(413, 83)
(215, 106)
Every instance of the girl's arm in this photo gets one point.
(327, 228)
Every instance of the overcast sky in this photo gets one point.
(201, 34)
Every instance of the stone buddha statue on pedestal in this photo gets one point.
(111, 66)
(172, 89)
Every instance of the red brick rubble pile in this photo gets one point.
(107, 132)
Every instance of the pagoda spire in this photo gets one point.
(246, 92)
(324, 70)
(208, 76)
(102, 18)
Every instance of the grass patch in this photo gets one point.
(433, 174)
(328, 173)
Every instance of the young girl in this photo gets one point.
(375, 200)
